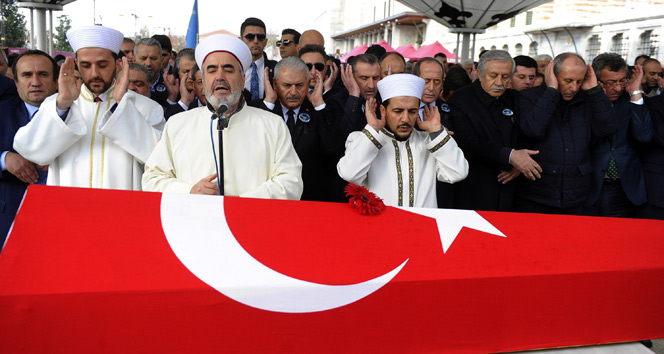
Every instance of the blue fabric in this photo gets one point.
(192, 30)
(254, 82)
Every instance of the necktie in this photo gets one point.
(97, 99)
(254, 81)
(612, 172)
(291, 121)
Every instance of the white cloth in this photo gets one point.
(223, 43)
(259, 158)
(93, 147)
(400, 85)
(383, 165)
(95, 37)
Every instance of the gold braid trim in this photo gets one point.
(411, 186)
(373, 140)
(440, 144)
(399, 177)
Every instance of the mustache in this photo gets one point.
(293, 97)
(493, 87)
(404, 125)
(221, 84)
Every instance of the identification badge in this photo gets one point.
(445, 108)
(508, 112)
(304, 117)
(160, 88)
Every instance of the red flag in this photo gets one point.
(98, 271)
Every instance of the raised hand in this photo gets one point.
(590, 80)
(186, 96)
(68, 89)
(549, 77)
(370, 114)
(349, 81)
(316, 97)
(122, 82)
(172, 86)
(206, 186)
(270, 95)
(635, 83)
(329, 82)
(430, 119)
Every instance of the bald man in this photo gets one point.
(311, 37)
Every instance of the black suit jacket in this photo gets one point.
(316, 143)
(652, 155)
(160, 92)
(485, 129)
(173, 109)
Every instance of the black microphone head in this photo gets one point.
(223, 108)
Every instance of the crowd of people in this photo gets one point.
(546, 135)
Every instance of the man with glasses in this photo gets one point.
(252, 33)
(288, 44)
(618, 183)
(560, 120)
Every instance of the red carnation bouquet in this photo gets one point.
(365, 201)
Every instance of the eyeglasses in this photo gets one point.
(251, 36)
(622, 82)
(285, 42)
(319, 66)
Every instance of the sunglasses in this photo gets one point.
(319, 66)
(285, 42)
(251, 36)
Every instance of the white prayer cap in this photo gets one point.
(223, 43)
(95, 37)
(398, 85)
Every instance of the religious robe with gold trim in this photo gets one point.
(402, 173)
(259, 158)
(93, 147)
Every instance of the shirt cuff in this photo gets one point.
(639, 101)
(62, 113)
(510, 157)
(169, 101)
(184, 106)
(320, 108)
(434, 135)
(3, 165)
(268, 105)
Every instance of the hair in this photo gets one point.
(4, 57)
(164, 41)
(138, 67)
(56, 68)
(560, 59)
(416, 68)
(543, 57)
(296, 34)
(128, 40)
(641, 56)
(186, 53)
(252, 21)
(650, 60)
(150, 42)
(482, 53)
(612, 61)
(466, 62)
(293, 64)
(440, 54)
(457, 77)
(194, 70)
(362, 58)
(312, 48)
(121, 55)
(376, 50)
(525, 61)
(387, 54)
(495, 54)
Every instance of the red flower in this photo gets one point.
(364, 200)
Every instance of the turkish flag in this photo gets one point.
(87, 270)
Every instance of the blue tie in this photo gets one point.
(254, 82)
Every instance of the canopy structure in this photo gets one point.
(466, 17)
(383, 43)
(360, 49)
(38, 35)
(430, 50)
(406, 50)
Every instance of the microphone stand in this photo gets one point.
(221, 124)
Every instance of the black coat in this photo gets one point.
(316, 143)
(562, 131)
(486, 130)
(173, 109)
(652, 155)
(159, 92)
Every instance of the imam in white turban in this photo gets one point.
(400, 85)
(223, 43)
(95, 37)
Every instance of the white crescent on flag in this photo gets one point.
(197, 231)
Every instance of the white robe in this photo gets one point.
(402, 173)
(93, 147)
(259, 158)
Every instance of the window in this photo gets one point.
(619, 44)
(493, 47)
(648, 44)
(529, 18)
(532, 49)
(592, 47)
(506, 48)
(512, 21)
(518, 49)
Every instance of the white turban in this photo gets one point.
(95, 37)
(223, 43)
(400, 85)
